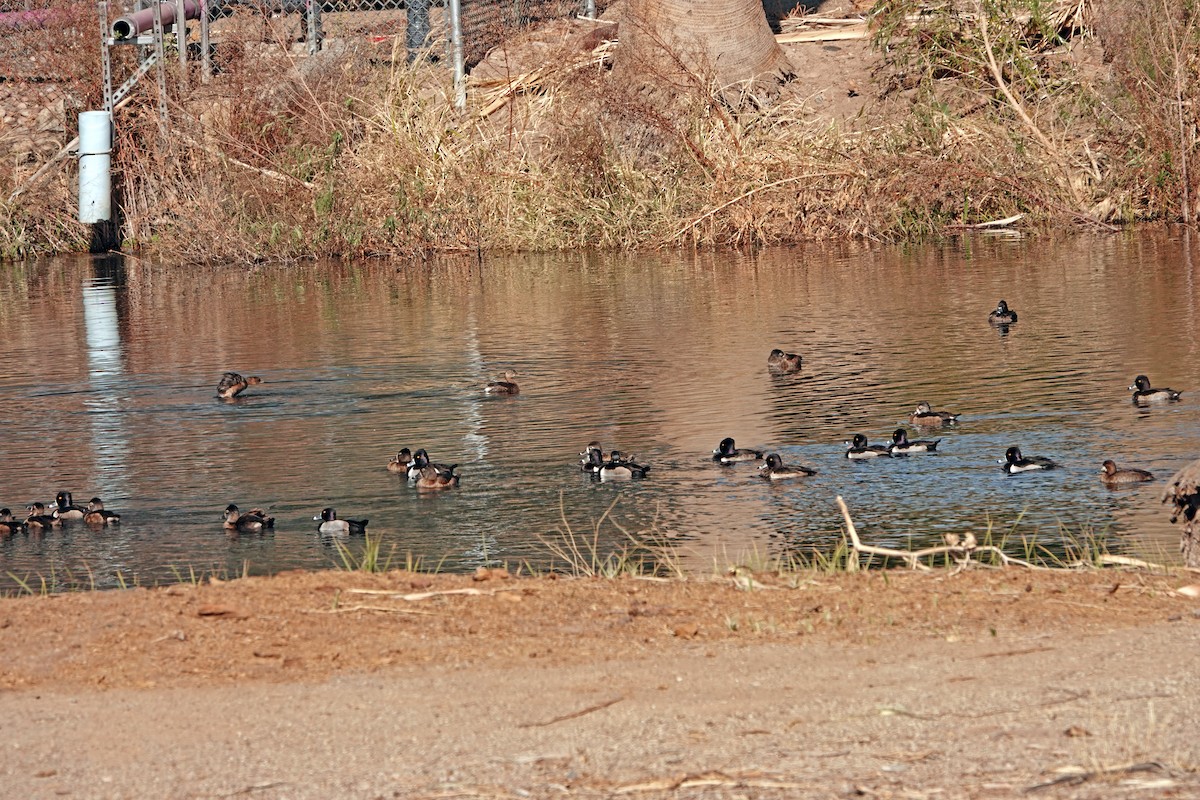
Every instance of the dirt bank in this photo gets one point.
(890, 684)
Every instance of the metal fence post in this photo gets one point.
(589, 9)
(417, 27)
(312, 9)
(181, 33)
(456, 54)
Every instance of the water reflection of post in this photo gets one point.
(106, 371)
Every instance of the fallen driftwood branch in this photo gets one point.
(994, 223)
(574, 714)
(960, 551)
(856, 29)
(1077, 775)
(415, 596)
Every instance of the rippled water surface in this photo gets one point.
(108, 369)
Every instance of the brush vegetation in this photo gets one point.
(1075, 114)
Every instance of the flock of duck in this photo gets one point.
(427, 476)
(616, 465)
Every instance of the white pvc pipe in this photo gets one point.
(95, 157)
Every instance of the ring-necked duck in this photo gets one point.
(65, 508)
(8, 525)
(503, 384)
(774, 469)
(1014, 462)
(39, 520)
(253, 521)
(728, 453)
(858, 448)
(1142, 393)
(586, 463)
(592, 463)
(902, 444)
(1110, 474)
(1002, 315)
(401, 462)
(779, 361)
(617, 467)
(419, 462)
(433, 478)
(331, 524)
(97, 515)
(926, 417)
(232, 384)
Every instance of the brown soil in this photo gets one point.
(334, 684)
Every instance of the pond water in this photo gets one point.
(108, 369)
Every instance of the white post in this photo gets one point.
(456, 50)
(95, 158)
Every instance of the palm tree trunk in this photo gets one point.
(727, 39)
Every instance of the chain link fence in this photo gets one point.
(51, 65)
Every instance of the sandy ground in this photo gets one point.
(337, 684)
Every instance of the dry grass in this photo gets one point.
(356, 154)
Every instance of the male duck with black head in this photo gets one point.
(233, 384)
(728, 452)
(1144, 395)
(858, 448)
(1002, 315)
(617, 467)
(902, 445)
(331, 524)
(66, 510)
(780, 362)
(420, 461)
(1013, 462)
(776, 470)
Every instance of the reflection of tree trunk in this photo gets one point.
(665, 40)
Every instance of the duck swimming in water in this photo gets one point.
(902, 445)
(65, 508)
(776, 470)
(253, 521)
(1143, 394)
(1113, 476)
(503, 384)
(926, 417)
(1002, 315)
(779, 361)
(858, 448)
(401, 462)
(97, 515)
(1014, 462)
(331, 524)
(728, 452)
(233, 384)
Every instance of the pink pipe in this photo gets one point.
(140, 21)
